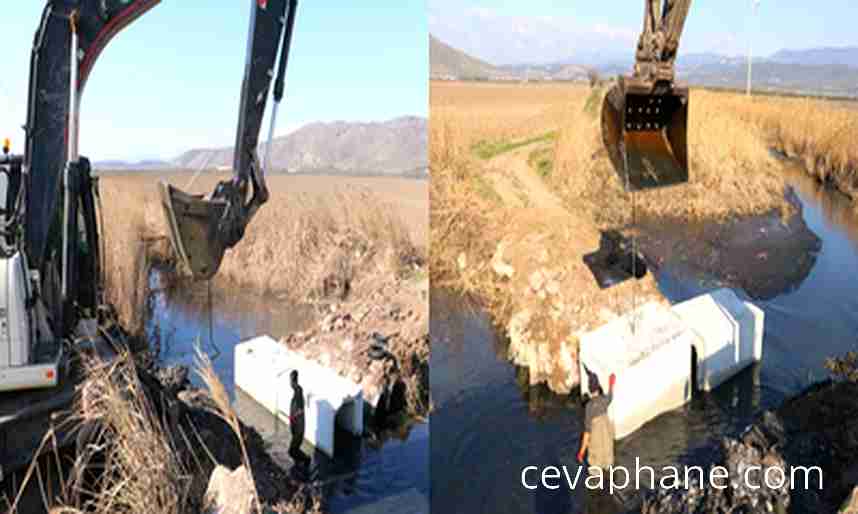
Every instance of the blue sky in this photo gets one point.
(171, 80)
(513, 31)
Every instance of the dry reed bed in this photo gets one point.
(139, 455)
(821, 133)
(298, 244)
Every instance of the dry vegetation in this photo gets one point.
(820, 133)
(316, 235)
(139, 450)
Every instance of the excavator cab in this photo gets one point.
(645, 115)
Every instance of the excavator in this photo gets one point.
(644, 125)
(51, 291)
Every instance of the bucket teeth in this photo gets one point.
(193, 222)
(646, 137)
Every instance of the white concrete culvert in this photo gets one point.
(262, 367)
(655, 351)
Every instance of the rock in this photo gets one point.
(537, 280)
(173, 378)
(498, 265)
(231, 492)
(462, 261)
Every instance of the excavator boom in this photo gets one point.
(203, 228)
(645, 115)
(50, 113)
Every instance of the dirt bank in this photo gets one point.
(818, 427)
(380, 340)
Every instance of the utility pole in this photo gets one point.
(755, 6)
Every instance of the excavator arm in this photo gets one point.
(203, 228)
(645, 115)
(51, 122)
(60, 236)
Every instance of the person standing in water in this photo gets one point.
(597, 445)
(597, 441)
(296, 423)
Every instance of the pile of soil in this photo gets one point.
(819, 427)
(380, 341)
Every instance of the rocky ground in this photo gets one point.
(816, 428)
(380, 341)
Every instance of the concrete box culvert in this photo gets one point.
(653, 348)
(262, 368)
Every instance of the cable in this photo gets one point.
(211, 321)
(632, 194)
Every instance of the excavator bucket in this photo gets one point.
(193, 222)
(645, 135)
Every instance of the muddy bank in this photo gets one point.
(208, 437)
(764, 255)
(822, 168)
(818, 427)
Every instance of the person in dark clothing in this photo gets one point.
(597, 444)
(296, 423)
(598, 436)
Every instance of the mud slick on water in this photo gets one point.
(819, 427)
(764, 255)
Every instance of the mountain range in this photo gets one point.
(393, 147)
(822, 71)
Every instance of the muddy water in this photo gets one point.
(388, 474)
(488, 424)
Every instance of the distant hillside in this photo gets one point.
(151, 164)
(829, 79)
(814, 71)
(447, 62)
(842, 56)
(394, 147)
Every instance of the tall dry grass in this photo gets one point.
(309, 245)
(129, 462)
(302, 244)
(134, 456)
(822, 134)
(128, 245)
